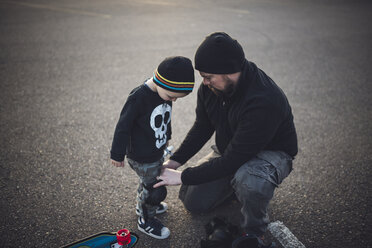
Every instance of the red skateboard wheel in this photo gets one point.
(123, 237)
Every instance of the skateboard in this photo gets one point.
(121, 239)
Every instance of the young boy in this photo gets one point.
(142, 134)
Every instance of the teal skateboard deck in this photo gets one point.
(104, 240)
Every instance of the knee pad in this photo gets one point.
(156, 195)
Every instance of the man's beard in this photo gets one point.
(228, 90)
(215, 91)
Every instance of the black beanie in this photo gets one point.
(175, 74)
(219, 54)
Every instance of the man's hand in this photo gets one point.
(169, 177)
(117, 163)
(171, 164)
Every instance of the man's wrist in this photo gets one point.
(175, 159)
(183, 180)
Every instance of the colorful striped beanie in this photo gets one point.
(175, 74)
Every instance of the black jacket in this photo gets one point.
(255, 116)
(143, 128)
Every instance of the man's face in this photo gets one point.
(219, 82)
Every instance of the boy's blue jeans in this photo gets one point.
(147, 173)
(253, 184)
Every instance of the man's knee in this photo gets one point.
(252, 186)
(192, 202)
(195, 206)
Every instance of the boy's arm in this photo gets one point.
(123, 130)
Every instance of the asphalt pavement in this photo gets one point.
(66, 68)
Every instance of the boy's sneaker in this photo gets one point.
(162, 207)
(153, 227)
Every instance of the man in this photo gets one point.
(255, 138)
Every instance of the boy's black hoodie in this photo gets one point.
(144, 120)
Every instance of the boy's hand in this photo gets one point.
(171, 164)
(117, 164)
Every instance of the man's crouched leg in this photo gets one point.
(204, 197)
(254, 184)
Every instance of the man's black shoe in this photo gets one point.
(251, 241)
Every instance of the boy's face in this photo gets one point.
(167, 95)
